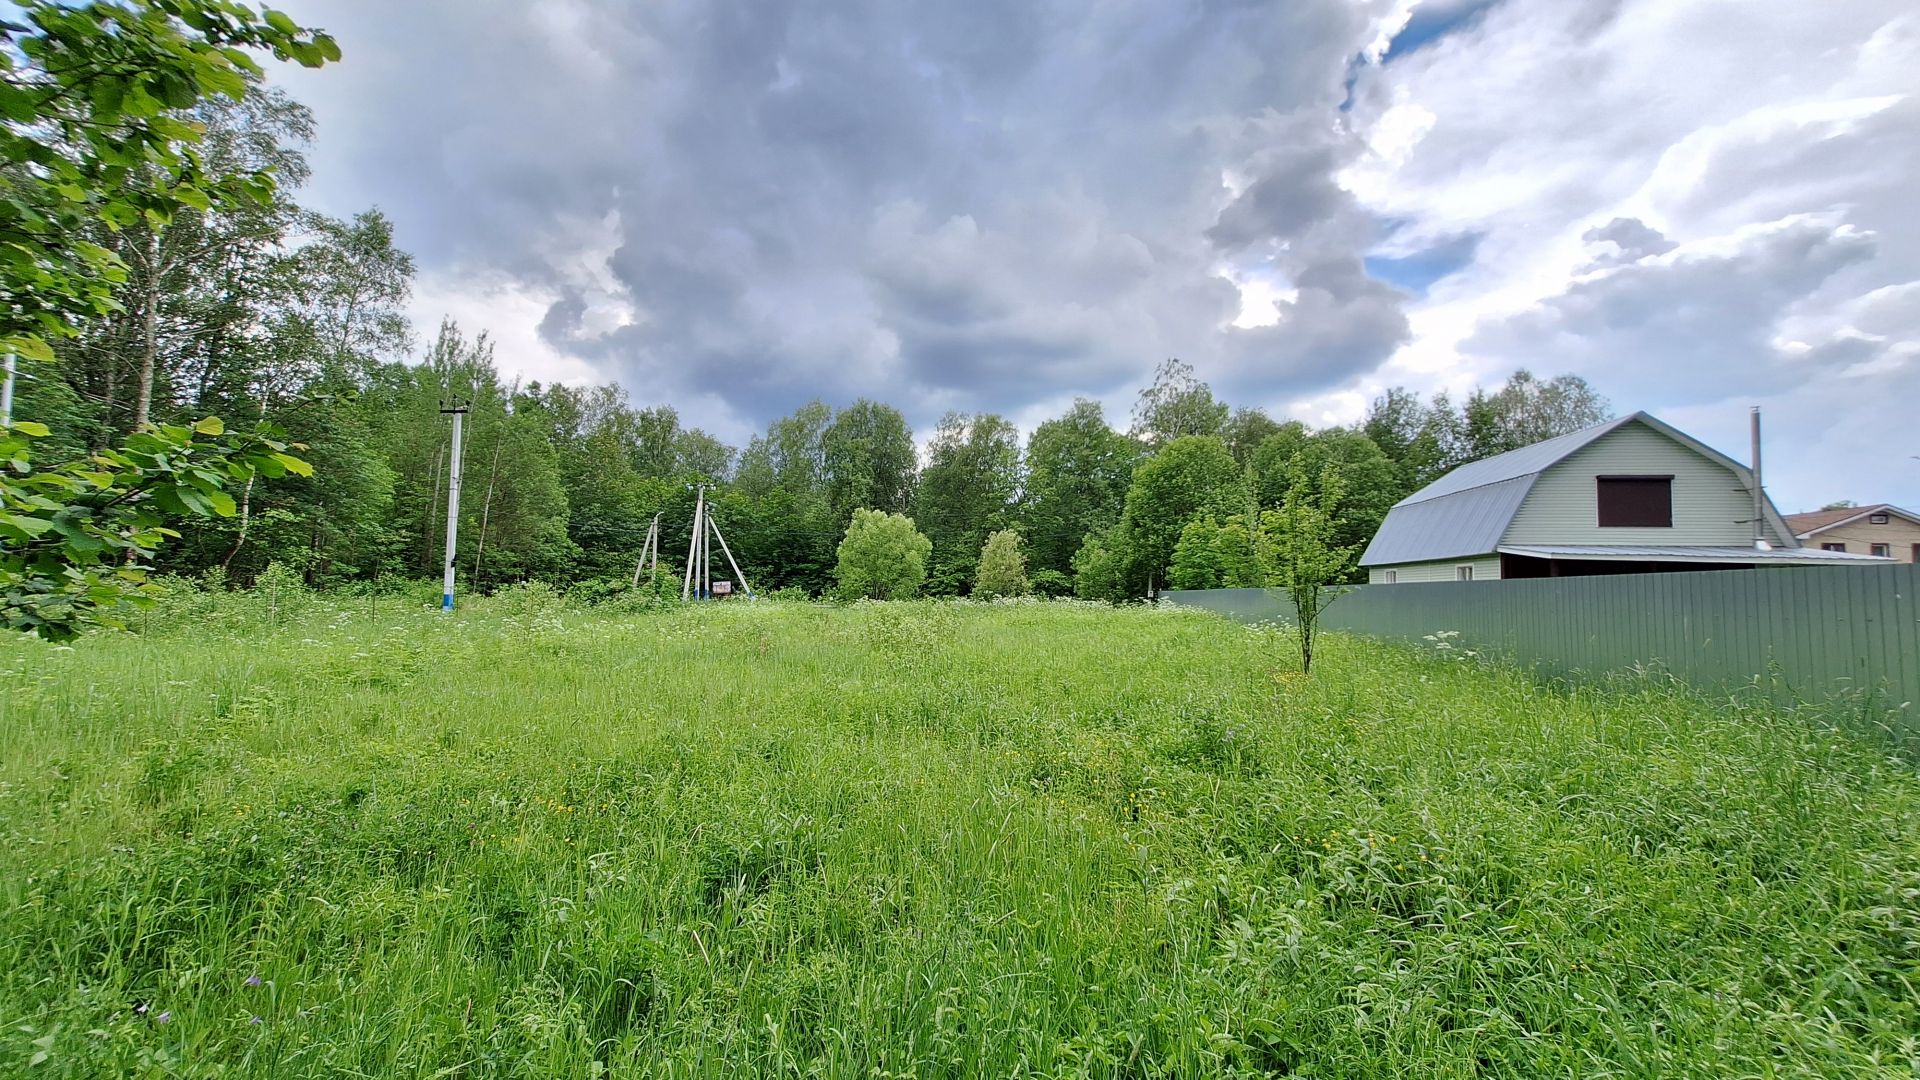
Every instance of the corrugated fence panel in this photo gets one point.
(1824, 630)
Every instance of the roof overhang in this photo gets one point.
(1706, 556)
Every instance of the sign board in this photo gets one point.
(723, 588)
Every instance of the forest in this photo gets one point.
(273, 317)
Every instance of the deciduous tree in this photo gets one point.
(1176, 405)
(1190, 475)
(868, 456)
(965, 492)
(1300, 553)
(1077, 473)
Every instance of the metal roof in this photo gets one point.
(1528, 461)
(1470, 524)
(1677, 553)
(1467, 511)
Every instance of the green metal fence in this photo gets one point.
(1797, 633)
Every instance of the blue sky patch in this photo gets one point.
(1417, 272)
(1432, 21)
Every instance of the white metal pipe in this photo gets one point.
(1759, 492)
(6, 395)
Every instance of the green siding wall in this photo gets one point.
(1711, 506)
(1820, 630)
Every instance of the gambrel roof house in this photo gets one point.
(1632, 495)
(1879, 529)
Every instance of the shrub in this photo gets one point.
(883, 557)
(1003, 567)
(1051, 583)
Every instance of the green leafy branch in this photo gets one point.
(77, 538)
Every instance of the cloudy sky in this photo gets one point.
(738, 205)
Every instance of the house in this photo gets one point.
(1632, 495)
(1881, 529)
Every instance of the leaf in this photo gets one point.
(294, 465)
(211, 425)
(30, 346)
(30, 427)
(24, 528)
(223, 504)
(192, 196)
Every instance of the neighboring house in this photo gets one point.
(1881, 529)
(1632, 495)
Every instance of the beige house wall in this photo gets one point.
(1898, 534)
(1485, 568)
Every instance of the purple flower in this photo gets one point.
(253, 980)
(140, 1009)
(163, 1018)
(255, 1020)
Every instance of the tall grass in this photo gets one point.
(358, 838)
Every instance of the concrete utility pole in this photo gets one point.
(737, 575)
(453, 504)
(6, 394)
(706, 557)
(697, 582)
(693, 543)
(651, 548)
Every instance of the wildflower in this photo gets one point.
(163, 1018)
(254, 1020)
(254, 980)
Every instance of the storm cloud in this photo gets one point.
(1001, 205)
(979, 206)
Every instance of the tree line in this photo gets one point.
(200, 287)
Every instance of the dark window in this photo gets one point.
(1885, 551)
(1463, 573)
(1636, 502)
(1876, 519)
(1833, 547)
(1393, 577)
(1916, 553)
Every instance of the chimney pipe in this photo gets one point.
(1759, 492)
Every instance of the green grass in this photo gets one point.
(919, 840)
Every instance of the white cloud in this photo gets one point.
(509, 312)
(1693, 203)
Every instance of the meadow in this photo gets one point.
(295, 836)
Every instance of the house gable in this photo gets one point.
(1712, 504)
(1857, 533)
(1807, 526)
